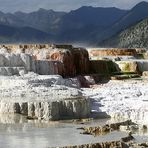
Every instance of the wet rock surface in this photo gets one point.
(96, 131)
(75, 60)
(101, 145)
(113, 144)
(125, 142)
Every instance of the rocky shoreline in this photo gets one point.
(124, 142)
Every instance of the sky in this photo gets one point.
(62, 5)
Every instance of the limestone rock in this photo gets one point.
(140, 50)
(49, 67)
(99, 130)
(10, 71)
(113, 52)
(42, 97)
(75, 61)
(127, 66)
(46, 59)
(67, 58)
(137, 66)
(72, 108)
(143, 65)
(145, 74)
(16, 60)
(3, 50)
(113, 58)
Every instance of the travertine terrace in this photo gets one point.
(45, 81)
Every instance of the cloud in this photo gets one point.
(62, 5)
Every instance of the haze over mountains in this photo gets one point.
(86, 25)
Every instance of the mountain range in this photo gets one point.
(91, 26)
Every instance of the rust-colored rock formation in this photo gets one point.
(67, 58)
(75, 60)
(68, 61)
(59, 59)
(113, 52)
(81, 60)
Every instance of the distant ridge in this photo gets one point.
(22, 35)
(136, 14)
(133, 37)
(86, 25)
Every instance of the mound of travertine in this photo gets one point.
(136, 65)
(42, 97)
(66, 60)
(125, 60)
(53, 59)
(75, 60)
(127, 66)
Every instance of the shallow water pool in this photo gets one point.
(16, 131)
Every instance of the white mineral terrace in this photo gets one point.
(51, 97)
(47, 97)
(121, 99)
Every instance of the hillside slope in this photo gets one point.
(135, 36)
(136, 14)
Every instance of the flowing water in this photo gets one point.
(18, 132)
